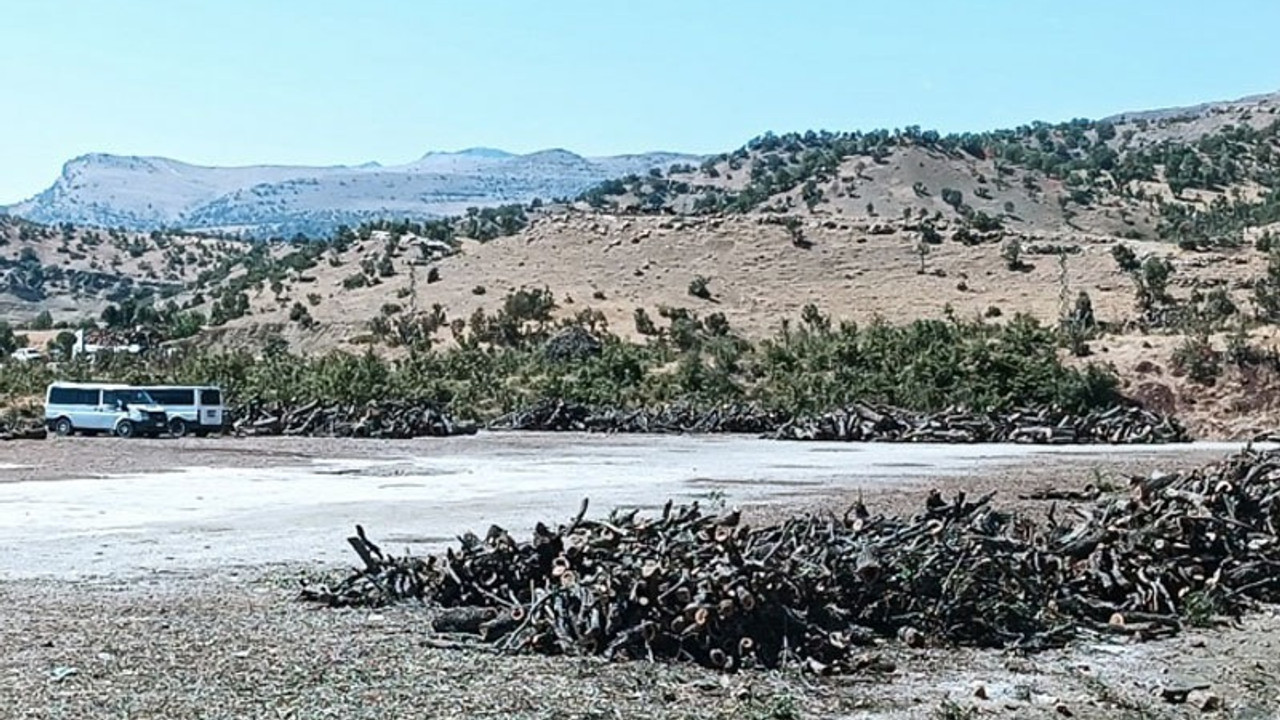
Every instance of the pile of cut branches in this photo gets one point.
(686, 585)
(860, 423)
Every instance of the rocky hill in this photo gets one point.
(147, 193)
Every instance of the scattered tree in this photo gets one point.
(1125, 258)
(1011, 252)
(922, 251)
(699, 288)
(952, 197)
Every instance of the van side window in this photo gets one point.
(173, 397)
(73, 396)
(210, 397)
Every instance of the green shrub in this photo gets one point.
(1125, 258)
(299, 314)
(1266, 291)
(1196, 357)
(498, 366)
(1011, 253)
(644, 323)
(698, 287)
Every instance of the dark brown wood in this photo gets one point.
(687, 585)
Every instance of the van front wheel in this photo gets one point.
(63, 427)
(126, 429)
(177, 427)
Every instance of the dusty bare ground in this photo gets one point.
(237, 644)
(1014, 487)
(87, 457)
(242, 647)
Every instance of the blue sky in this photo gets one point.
(326, 82)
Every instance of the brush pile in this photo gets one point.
(23, 422)
(572, 344)
(860, 423)
(388, 419)
(22, 429)
(1045, 425)
(562, 416)
(812, 591)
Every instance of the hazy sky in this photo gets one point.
(327, 82)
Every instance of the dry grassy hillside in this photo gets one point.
(856, 269)
(74, 273)
(758, 278)
(896, 225)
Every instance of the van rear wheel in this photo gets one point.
(63, 427)
(177, 427)
(126, 429)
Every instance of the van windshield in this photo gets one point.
(129, 397)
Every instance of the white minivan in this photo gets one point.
(195, 409)
(102, 408)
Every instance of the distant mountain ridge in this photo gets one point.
(147, 193)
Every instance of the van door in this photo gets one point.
(106, 412)
(209, 407)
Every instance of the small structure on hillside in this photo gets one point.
(94, 341)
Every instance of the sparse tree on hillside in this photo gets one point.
(1082, 313)
(1125, 258)
(922, 250)
(1011, 252)
(62, 345)
(299, 314)
(8, 341)
(43, 321)
(811, 194)
(952, 197)
(644, 323)
(1153, 282)
(1266, 291)
(698, 287)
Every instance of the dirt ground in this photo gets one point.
(58, 459)
(242, 647)
(235, 642)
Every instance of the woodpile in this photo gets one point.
(388, 419)
(23, 422)
(572, 344)
(1115, 426)
(864, 423)
(561, 416)
(815, 591)
(23, 429)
